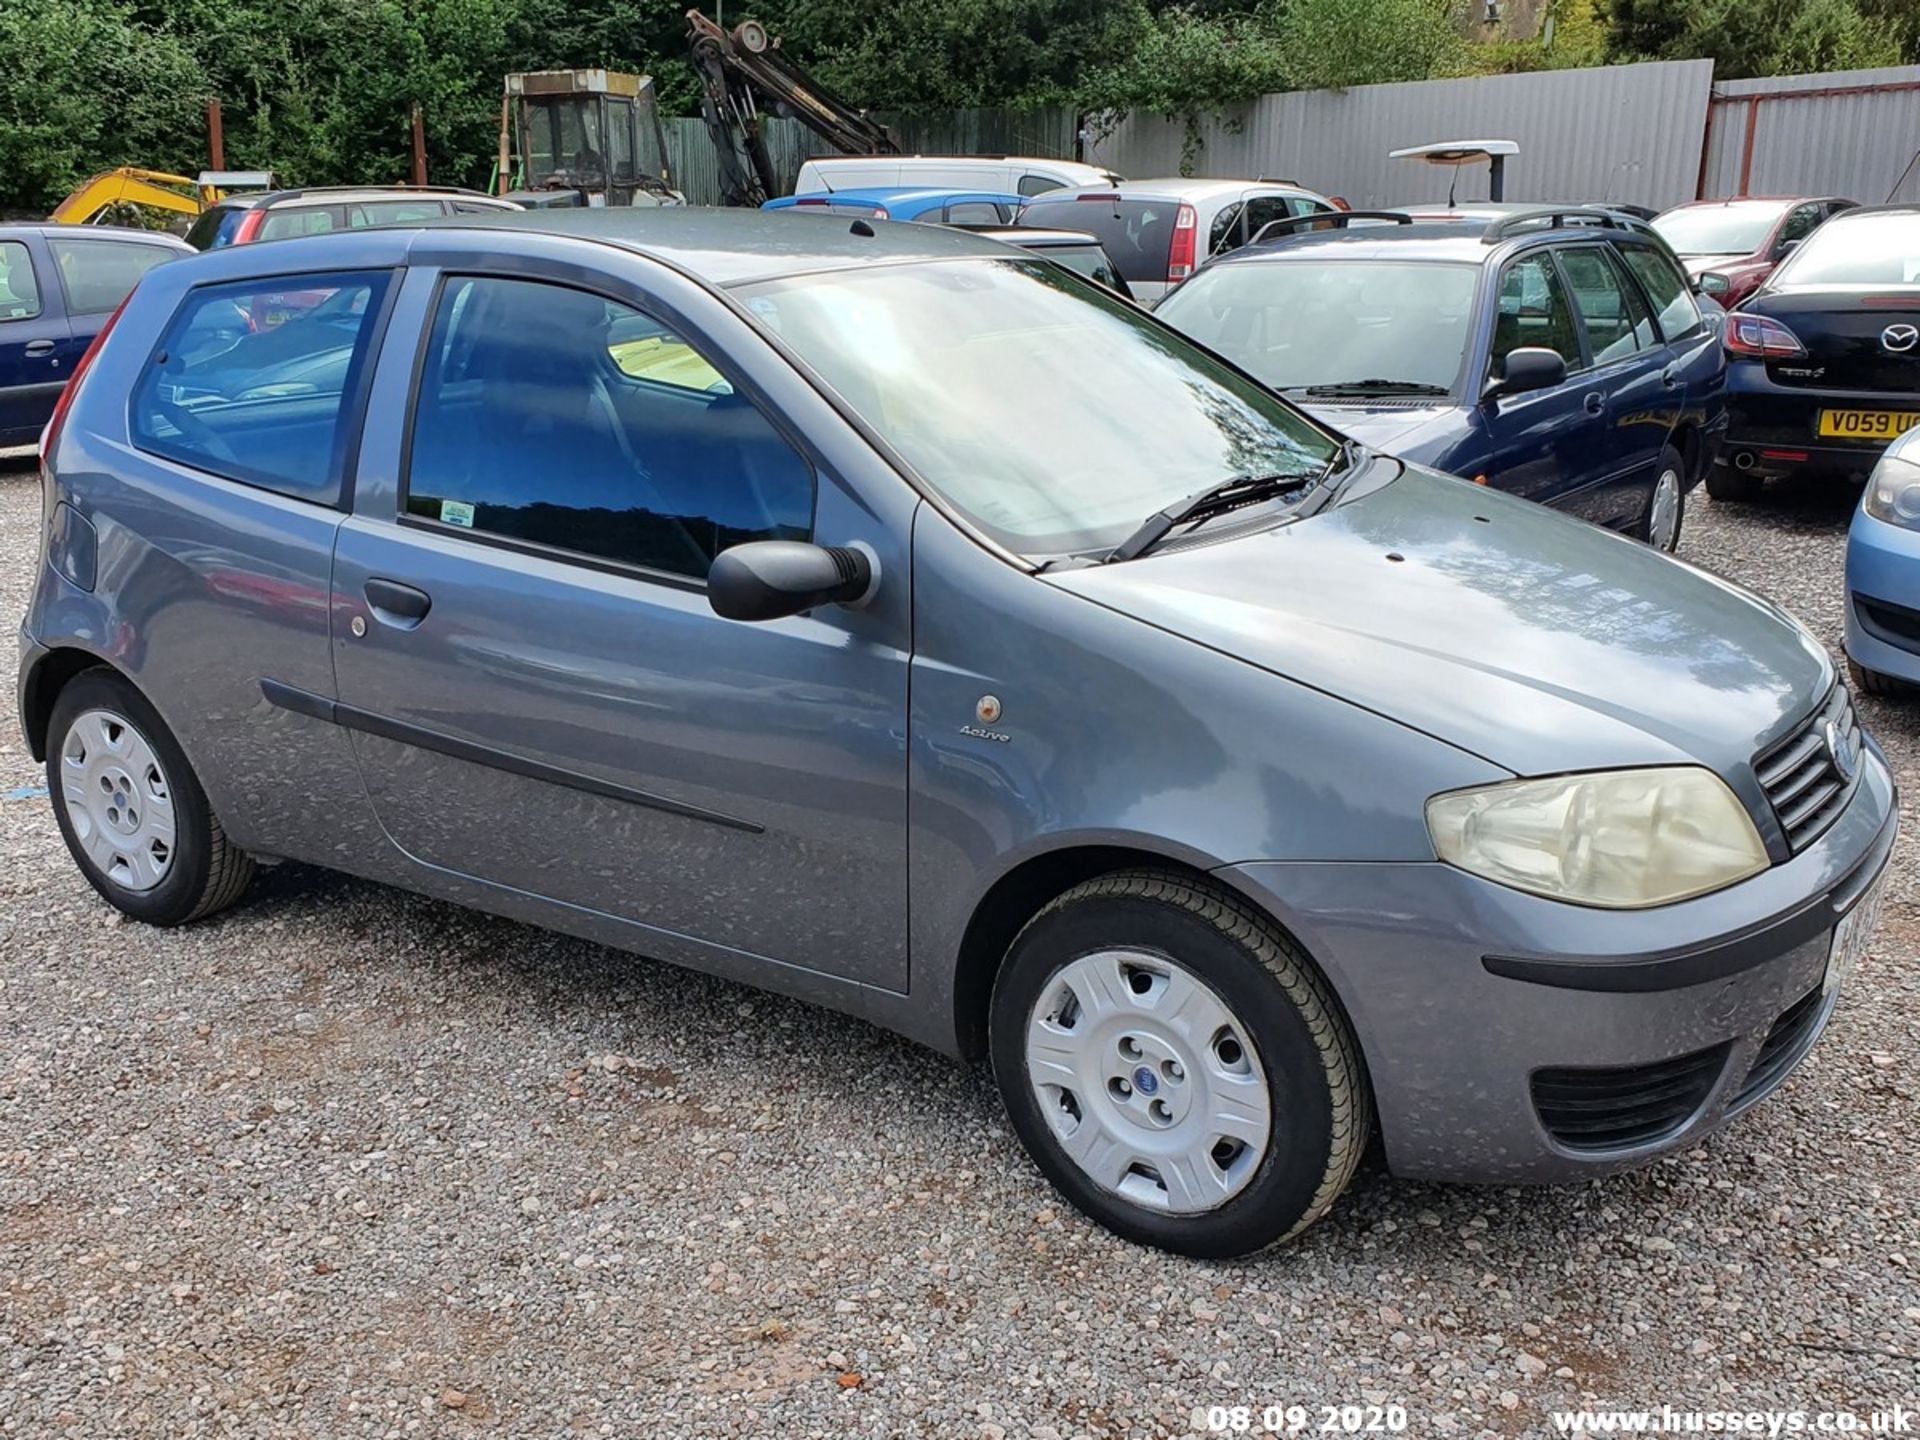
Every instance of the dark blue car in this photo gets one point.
(1559, 355)
(58, 285)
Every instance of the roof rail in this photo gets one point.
(1555, 216)
(1280, 229)
(301, 190)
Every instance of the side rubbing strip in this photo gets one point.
(318, 707)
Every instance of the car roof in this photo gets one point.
(719, 246)
(898, 195)
(335, 194)
(55, 231)
(1173, 188)
(1727, 200)
(1459, 241)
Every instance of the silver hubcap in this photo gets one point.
(118, 800)
(1151, 1084)
(1663, 524)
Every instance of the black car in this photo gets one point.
(1825, 355)
(1078, 251)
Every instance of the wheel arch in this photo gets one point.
(40, 690)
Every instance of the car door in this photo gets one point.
(34, 340)
(1535, 443)
(541, 698)
(1631, 367)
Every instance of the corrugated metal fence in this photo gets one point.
(1625, 132)
(1651, 134)
(1852, 132)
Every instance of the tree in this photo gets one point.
(1757, 37)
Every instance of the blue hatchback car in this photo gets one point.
(1557, 354)
(908, 202)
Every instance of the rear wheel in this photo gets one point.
(1872, 682)
(131, 809)
(1177, 1067)
(1726, 483)
(1666, 503)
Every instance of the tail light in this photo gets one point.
(249, 227)
(65, 403)
(1186, 232)
(1759, 337)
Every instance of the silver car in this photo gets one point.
(883, 616)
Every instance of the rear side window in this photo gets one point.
(1037, 185)
(1138, 234)
(1666, 287)
(554, 417)
(395, 212)
(99, 274)
(1617, 319)
(1088, 260)
(308, 220)
(19, 291)
(263, 404)
(215, 228)
(975, 212)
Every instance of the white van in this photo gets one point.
(1007, 174)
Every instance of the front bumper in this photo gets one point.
(1883, 597)
(1776, 427)
(1473, 1003)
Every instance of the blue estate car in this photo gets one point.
(1558, 354)
(668, 578)
(908, 202)
(58, 285)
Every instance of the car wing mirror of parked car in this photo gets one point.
(770, 579)
(1529, 367)
(1785, 248)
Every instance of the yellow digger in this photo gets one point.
(100, 199)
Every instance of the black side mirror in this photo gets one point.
(770, 579)
(1530, 367)
(1785, 248)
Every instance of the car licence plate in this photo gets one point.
(1852, 936)
(1866, 424)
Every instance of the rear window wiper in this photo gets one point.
(1376, 387)
(1230, 494)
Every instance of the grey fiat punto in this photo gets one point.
(887, 617)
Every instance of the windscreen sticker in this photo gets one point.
(456, 512)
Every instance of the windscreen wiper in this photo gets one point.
(1376, 387)
(1230, 494)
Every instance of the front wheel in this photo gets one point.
(131, 809)
(1177, 1067)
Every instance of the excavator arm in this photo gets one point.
(128, 186)
(743, 76)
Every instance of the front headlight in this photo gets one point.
(1893, 493)
(1621, 839)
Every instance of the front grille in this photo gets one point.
(1803, 784)
(1622, 1106)
(1786, 1042)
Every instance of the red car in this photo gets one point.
(1730, 246)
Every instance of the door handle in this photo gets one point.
(1670, 377)
(1595, 402)
(397, 604)
(37, 348)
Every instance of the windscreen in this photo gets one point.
(1856, 250)
(1050, 413)
(1737, 229)
(1329, 322)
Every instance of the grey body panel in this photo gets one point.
(814, 805)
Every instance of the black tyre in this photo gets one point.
(131, 809)
(1177, 1066)
(1726, 483)
(1666, 503)
(1872, 682)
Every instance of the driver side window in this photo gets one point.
(555, 417)
(1534, 311)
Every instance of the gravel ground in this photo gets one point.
(347, 1163)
